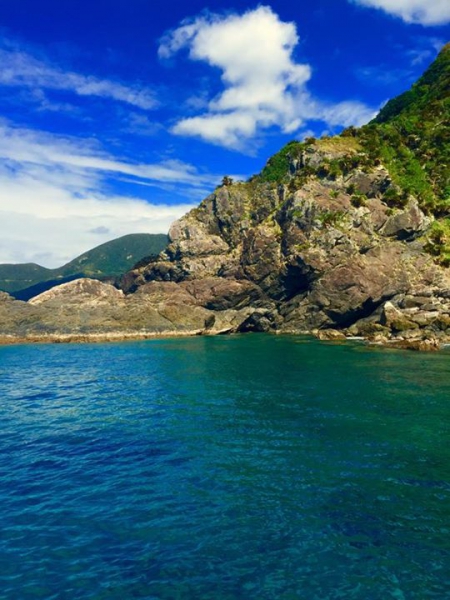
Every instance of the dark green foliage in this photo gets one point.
(410, 137)
(330, 169)
(358, 200)
(395, 197)
(331, 218)
(438, 241)
(117, 256)
(277, 167)
(14, 277)
(349, 132)
(432, 87)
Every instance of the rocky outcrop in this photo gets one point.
(322, 252)
(89, 309)
(336, 236)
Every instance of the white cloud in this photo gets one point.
(37, 147)
(263, 85)
(53, 204)
(346, 113)
(424, 12)
(21, 69)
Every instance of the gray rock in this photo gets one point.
(406, 225)
(261, 257)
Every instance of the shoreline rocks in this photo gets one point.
(422, 345)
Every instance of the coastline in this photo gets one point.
(330, 336)
(92, 338)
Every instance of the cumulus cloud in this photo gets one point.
(53, 203)
(424, 12)
(263, 85)
(21, 69)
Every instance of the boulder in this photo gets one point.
(407, 224)
(329, 335)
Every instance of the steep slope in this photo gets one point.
(411, 135)
(109, 259)
(332, 229)
(340, 236)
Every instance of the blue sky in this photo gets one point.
(117, 116)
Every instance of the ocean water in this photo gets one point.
(248, 467)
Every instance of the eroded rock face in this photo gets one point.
(313, 256)
(309, 254)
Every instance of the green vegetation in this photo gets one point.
(358, 200)
(110, 259)
(227, 180)
(331, 218)
(408, 169)
(411, 136)
(117, 256)
(16, 277)
(432, 87)
(438, 241)
(277, 167)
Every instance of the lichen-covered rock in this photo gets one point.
(216, 293)
(422, 345)
(88, 309)
(259, 321)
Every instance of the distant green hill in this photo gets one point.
(107, 260)
(15, 277)
(117, 256)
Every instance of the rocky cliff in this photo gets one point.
(343, 236)
(313, 255)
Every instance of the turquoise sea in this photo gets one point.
(247, 467)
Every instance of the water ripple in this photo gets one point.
(223, 468)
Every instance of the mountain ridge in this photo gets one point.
(109, 259)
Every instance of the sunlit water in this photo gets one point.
(251, 467)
